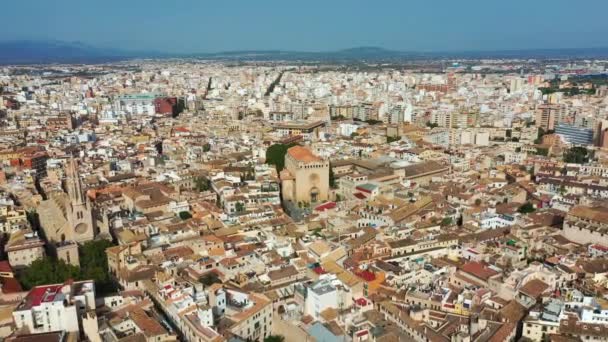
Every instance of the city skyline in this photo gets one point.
(339, 171)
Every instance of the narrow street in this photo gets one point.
(290, 331)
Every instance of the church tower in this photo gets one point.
(79, 212)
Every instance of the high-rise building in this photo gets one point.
(516, 85)
(396, 115)
(137, 104)
(546, 117)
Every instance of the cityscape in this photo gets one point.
(346, 194)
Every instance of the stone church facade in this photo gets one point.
(305, 178)
(67, 218)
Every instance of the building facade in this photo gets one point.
(305, 178)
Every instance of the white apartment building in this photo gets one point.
(322, 295)
(58, 307)
(137, 104)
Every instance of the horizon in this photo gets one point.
(193, 27)
(296, 50)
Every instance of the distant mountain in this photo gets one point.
(377, 54)
(44, 52)
(358, 53)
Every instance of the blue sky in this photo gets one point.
(311, 25)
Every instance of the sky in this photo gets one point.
(197, 26)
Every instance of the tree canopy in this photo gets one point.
(542, 151)
(202, 184)
(93, 266)
(48, 271)
(392, 139)
(447, 221)
(210, 279)
(275, 155)
(274, 338)
(332, 178)
(184, 215)
(577, 154)
(526, 208)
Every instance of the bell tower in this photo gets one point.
(79, 213)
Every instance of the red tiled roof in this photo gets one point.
(600, 247)
(360, 195)
(10, 285)
(303, 154)
(39, 294)
(358, 188)
(326, 206)
(362, 333)
(5, 267)
(478, 270)
(319, 270)
(366, 275)
(361, 301)
(181, 129)
(534, 288)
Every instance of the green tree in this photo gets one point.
(392, 139)
(332, 177)
(210, 279)
(240, 207)
(275, 155)
(94, 265)
(184, 215)
(542, 151)
(48, 271)
(354, 134)
(447, 221)
(431, 125)
(202, 184)
(274, 338)
(526, 208)
(577, 154)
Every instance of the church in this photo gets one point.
(67, 218)
(305, 178)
